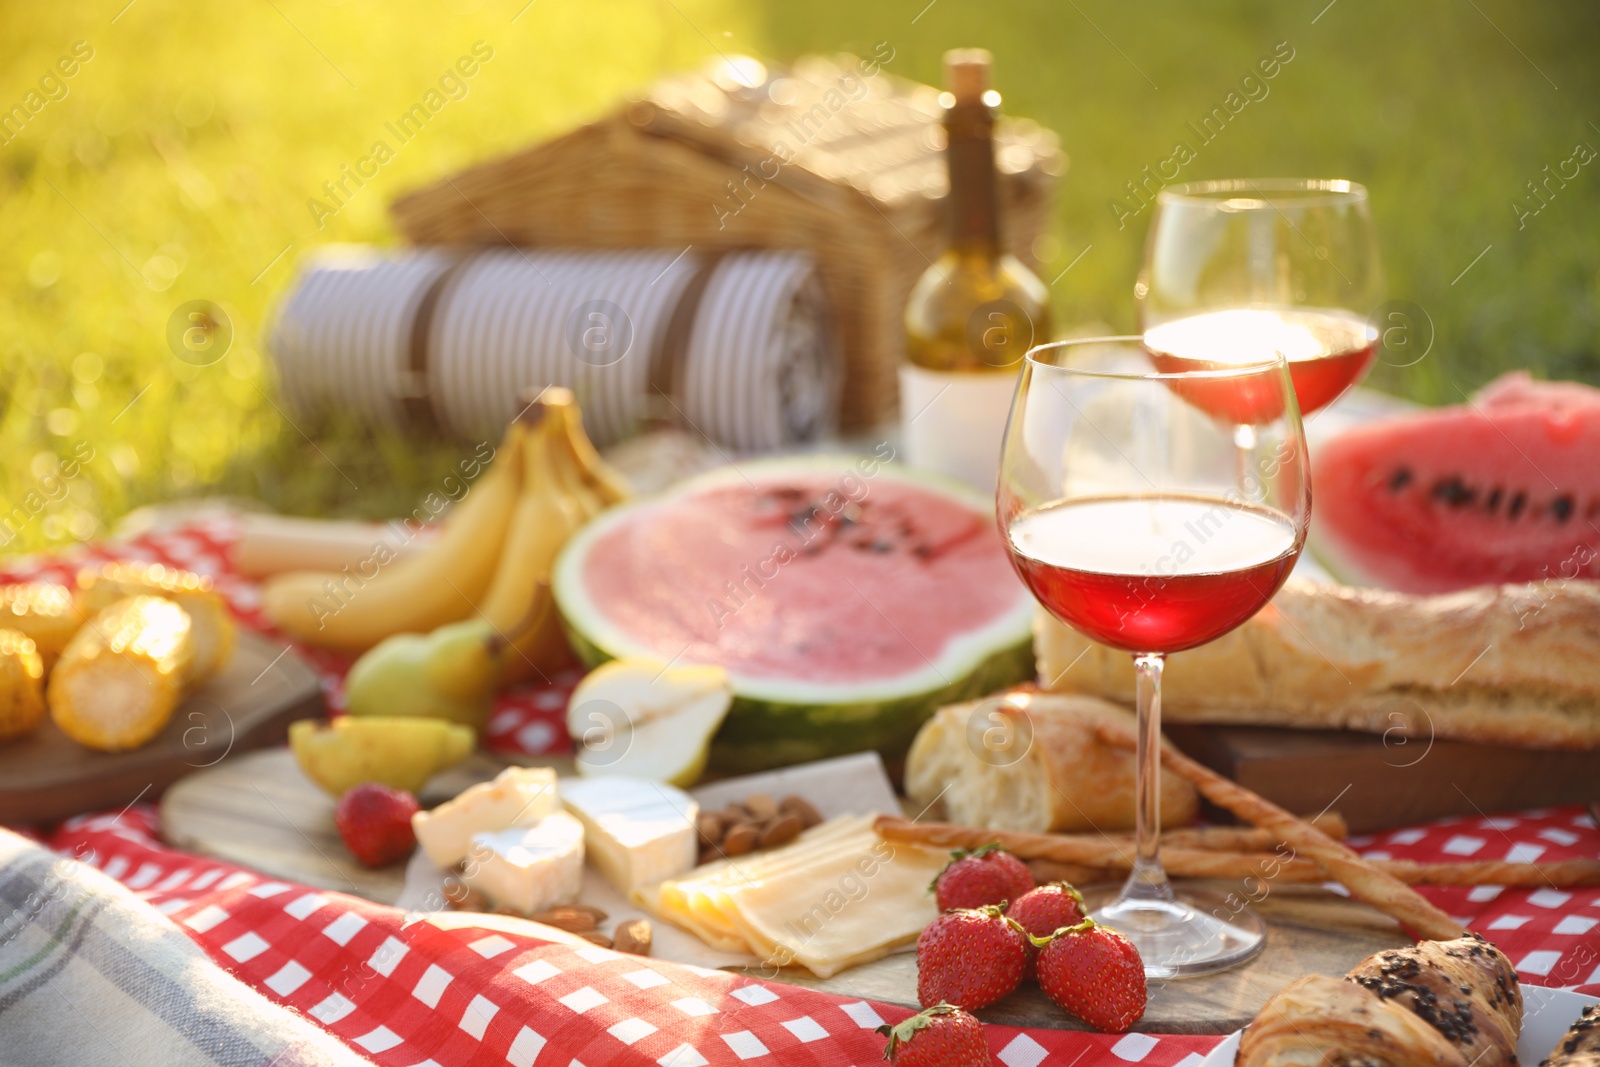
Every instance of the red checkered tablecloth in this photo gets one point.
(405, 992)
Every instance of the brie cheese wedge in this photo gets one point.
(519, 796)
(529, 868)
(636, 832)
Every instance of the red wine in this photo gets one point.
(1153, 573)
(1328, 351)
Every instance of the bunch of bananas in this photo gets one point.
(491, 560)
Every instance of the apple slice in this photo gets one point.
(645, 719)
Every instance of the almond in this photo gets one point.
(741, 839)
(569, 919)
(598, 938)
(762, 807)
(782, 829)
(633, 936)
(710, 828)
(588, 909)
(809, 815)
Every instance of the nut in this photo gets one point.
(633, 936)
(783, 828)
(598, 938)
(710, 828)
(741, 839)
(588, 909)
(571, 920)
(762, 807)
(809, 815)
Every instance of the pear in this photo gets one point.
(399, 753)
(641, 718)
(448, 674)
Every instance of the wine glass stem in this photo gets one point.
(1148, 881)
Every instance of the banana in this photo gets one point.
(547, 513)
(604, 479)
(352, 611)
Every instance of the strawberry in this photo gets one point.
(1042, 911)
(941, 1036)
(1095, 973)
(374, 822)
(970, 958)
(990, 875)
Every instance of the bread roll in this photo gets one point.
(1509, 664)
(1031, 761)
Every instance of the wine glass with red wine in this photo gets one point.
(1136, 516)
(1236, 270)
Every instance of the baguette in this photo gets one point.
(1032, 761)
(1508, 664)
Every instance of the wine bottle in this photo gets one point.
(976, 310)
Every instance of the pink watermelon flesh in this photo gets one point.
(1503, 489)
(771, 582)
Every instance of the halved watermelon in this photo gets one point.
(1505, 488)
(847, 597)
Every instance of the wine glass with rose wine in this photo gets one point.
(1136, 517)
(1237, 270)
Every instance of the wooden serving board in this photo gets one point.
(258, 810)
(1378, 783)
(250, 703)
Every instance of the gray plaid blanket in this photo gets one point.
(91, 975)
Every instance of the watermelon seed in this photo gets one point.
(1561, 507)
(1494, 499)
(1453, 492)
(1518, 502)
(1400, 479)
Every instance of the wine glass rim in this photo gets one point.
(1231, 370)
(1311, 191)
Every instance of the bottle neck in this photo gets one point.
(973, 214)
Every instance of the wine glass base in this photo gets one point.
(1194, 934)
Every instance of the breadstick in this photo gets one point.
(1233, 838)
(1366, 882)
(1074, 858)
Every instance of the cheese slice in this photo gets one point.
(635, 832)
(519, 796)
(529, 868)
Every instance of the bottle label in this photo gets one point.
(953, 422)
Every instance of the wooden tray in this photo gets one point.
(263, 688)
(1378, 783)
(258, 810)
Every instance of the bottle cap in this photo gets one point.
(966, 73)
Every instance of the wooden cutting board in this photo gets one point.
(250, 703)
(258, 810)
(1378, 782)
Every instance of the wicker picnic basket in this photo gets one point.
(832, 155)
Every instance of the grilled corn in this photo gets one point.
(21, 685)
(212, 627)
(121, 676)
(43, 612)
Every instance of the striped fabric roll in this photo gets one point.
(344, 334)
(740, 348)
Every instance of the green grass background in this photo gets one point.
(179, 163)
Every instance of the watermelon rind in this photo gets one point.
(780, 722)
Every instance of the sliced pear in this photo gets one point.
(645, 719)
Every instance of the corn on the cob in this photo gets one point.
(121, 676)
(43, 612)
(212, 627)
(21, 685)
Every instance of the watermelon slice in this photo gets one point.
(1505, 488)
(847, 598)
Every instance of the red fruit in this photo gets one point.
(1095, 973)
(970, 958)
(941, 1036)
(374, 822)
(1042, 911)
(990, 875)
